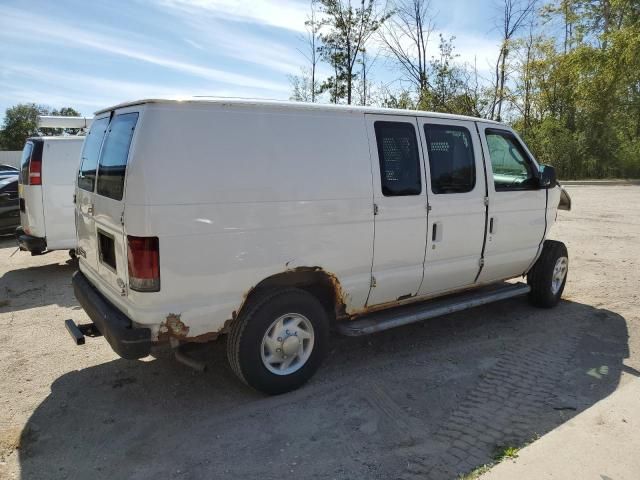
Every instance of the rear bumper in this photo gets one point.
(29, 242)
(127, 341)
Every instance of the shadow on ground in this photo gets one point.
(39, 285)
(430, 400)
(7, 240)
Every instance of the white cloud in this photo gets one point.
(27, 26)
(233, 40)
(89, 93)
(286, 14)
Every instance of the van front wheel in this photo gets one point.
(548, 275)
(279, 340)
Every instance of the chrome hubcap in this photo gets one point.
(287, 344)
(559, 274)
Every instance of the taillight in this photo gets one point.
(143, 257)
(35, 173)
(35, 166)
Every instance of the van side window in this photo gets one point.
(512, 169)
(90, 152)
(451, 161)
(399, 159)
(113, 160)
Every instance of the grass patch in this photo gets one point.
(502, 452)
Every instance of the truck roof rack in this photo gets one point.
(57, 121)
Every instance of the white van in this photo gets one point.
(270, 221)
(46, 188)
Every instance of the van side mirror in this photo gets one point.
(547, 176)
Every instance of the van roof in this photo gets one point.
(227, 101)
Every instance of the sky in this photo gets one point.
(93, 54)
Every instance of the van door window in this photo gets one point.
(90, 153)
(451, 162)
(113, 160)
(512, 168)
(399, 159)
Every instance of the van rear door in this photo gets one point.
(109, 201)
(30, 188)
(85, 187)
(105, 238)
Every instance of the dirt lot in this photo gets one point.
(430, 400)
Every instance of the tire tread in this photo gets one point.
(538, 276)
(253, 305)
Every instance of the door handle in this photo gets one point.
(90, 209)
(436, 233)
(491, 223)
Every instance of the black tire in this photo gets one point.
(244, 341)
(540, 277)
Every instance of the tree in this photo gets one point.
(305, 87)
(514, 14)
(344, 33)
(406, 38)
(446, 80)
(21, 122)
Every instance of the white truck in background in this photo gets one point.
(46, 188)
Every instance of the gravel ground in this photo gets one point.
(431, 400)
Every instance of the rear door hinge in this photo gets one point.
(486, 201)
(481, 262)
(375, 208)
(122, 219)
(373, 282)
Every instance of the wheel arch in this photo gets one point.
(323, 285)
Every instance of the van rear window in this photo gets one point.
(90, 153)
(113, 160)
(24, 162)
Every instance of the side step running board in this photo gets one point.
(386, 319)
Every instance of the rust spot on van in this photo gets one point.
(173, 327)
(339, 295)
(340, 300)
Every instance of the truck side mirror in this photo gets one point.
(547, 176)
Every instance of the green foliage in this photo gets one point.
(581, 111)
(344, 33)
(21, 122)
(402, 100)
(504, 452)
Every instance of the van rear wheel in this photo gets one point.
(548, 275)
(279, 340)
